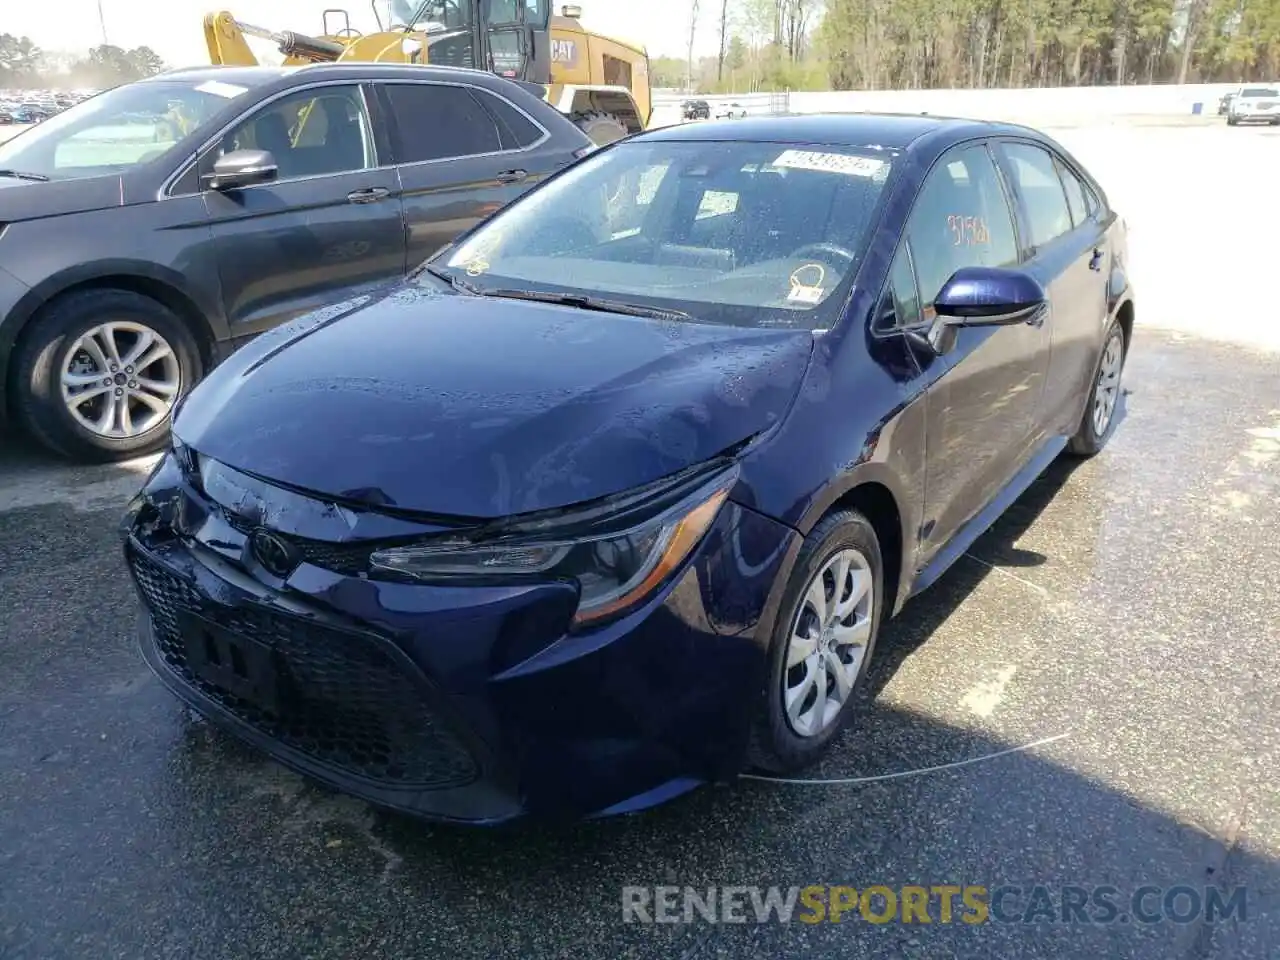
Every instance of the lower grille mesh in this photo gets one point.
(349, 705)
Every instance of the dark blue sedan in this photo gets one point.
(611, 498)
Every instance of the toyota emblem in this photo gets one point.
(275, 555)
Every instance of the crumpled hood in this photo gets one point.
(481, 407)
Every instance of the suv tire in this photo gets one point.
(53, 346)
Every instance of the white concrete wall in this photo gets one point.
(1044, 104)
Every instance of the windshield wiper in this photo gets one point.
(23, 175)
(456, 282)
(584, 302)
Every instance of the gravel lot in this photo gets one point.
(1127, 608)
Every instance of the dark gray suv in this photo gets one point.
(148, 231)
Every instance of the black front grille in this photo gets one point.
(349, 705)
(348, 558)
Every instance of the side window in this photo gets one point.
(517, 130)
(438, 121)
(310, 133)
(901, 304)
(1075, 195)
(960, 219)
(1041, 189)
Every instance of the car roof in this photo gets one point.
(360, 70)
(894, 131)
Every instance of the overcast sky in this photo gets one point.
(172, 27)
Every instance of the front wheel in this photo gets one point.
(99, 372)
(822, 643)
(1232, 121)
(1099, 420)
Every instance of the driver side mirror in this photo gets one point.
(989, 297)
(982, 297)
(241, 168)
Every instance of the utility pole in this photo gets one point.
(102, 21)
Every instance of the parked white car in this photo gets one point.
(1255, 104)
(731, 110)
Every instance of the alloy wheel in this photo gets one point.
(827, 643)
(1107, 389)
(120, 379)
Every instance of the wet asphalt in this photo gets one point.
(1117, 630)
(1126, 607)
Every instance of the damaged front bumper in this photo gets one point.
(463, 703)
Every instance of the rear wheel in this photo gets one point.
(600, 128)
(99, 371)
(822, 643)
(1099, 420)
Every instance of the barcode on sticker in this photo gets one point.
(830, 162)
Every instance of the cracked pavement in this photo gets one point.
(1129, 603)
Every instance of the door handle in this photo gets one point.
(1095, 262)
(368, 195)
(512, 176)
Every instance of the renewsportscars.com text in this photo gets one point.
(934, 903)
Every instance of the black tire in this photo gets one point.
(42, 355)
(1087, 440)
(1232, 121)
(774, 746)
(601, 129)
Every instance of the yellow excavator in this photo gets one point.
(600, 83)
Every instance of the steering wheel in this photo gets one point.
(825, 251)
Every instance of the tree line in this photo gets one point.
(23, 65)
(912, 44)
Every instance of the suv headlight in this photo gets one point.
(618, 552)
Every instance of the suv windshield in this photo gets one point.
(1260, 92)
(117, 129)
(741, 233)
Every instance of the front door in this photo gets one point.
(984, 407)
(1067, 253)
(328, 228)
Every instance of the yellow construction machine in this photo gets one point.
(600, 83)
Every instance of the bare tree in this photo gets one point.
(693, 28)
(724, 39)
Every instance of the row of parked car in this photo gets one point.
(32, 106)
(1255, 102)
(702, 110)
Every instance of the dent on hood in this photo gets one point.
(452, 406)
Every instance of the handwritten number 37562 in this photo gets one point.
(967, 231)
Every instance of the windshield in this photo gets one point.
(1260, 92)
(748, 234)
(117, 129)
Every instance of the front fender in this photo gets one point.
(176, 291)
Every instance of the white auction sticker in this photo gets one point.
(830, 162)
(805, 294)
(220, 89)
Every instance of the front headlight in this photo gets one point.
(617, 559)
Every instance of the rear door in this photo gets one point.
(329, 227)
(1065, 247)
(462, 152)
(983, 408)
